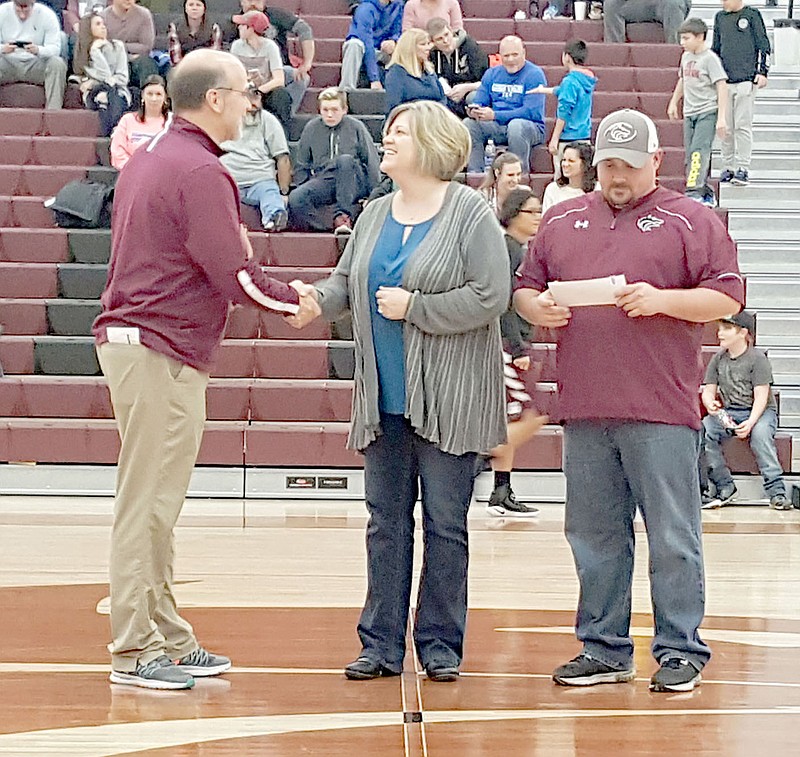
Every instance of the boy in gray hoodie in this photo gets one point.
(336, 166)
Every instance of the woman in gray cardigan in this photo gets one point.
(426, 278)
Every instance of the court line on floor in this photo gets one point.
(104, 740)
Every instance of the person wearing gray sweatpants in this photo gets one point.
(618, 13)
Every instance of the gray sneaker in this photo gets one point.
(160, 673)
(779, 502)
(584, 670)
(201, 663)
(675, 674)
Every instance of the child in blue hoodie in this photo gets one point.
(574, 112)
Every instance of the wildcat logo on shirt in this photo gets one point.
(508, 91)
(649, 222)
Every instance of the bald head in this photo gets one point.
(200, 71)
(512, 53)
(209, 88)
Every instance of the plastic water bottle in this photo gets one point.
(489, 153)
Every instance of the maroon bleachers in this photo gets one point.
(278, 397)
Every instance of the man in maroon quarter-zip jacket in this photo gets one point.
(628, 382)
(179, 258)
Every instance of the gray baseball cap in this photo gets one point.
(628, 135)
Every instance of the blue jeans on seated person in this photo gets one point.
(612, 469)
(394, 466)
(762, 443)
(519, 134)
(265, 195)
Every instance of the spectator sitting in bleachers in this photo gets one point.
(30, 47)
(703, 87)
(259, 163)
(618, 13)
(133, 24)
(577, 176)
(282, 23)
(262, 59)
(574, 111)
(503, 176)
(504, 110)
(193, 32)
(336, 167)
(418, 13)
(737, 393)
(409, 74)
(101, 65)
(458, 61)
(137, 129)
(371, 39)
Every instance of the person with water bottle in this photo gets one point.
(504, 110)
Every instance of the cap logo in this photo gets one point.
(620, 133)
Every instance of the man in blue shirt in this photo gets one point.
(504, 110)
(371, 38)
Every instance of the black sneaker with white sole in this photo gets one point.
(201, 663)
(675, 674)
(584, 670)
(503, 504)
(161, 673)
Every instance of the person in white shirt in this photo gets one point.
(30, 49)
(578, 176)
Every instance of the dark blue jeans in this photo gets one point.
(613, 468)
(336, 189)
(397, 466)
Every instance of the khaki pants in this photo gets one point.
(160, 409)
(51, 72)
(737, 147)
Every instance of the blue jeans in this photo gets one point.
(265, 195)
(762, 443)
(519, 134)
(395, 465)
(612, 468)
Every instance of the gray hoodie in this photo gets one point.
(320, 144)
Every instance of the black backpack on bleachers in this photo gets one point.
(83, 204)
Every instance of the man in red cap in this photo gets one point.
(262, 59)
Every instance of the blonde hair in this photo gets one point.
(443, 142)
(405, 53)
(333, 93)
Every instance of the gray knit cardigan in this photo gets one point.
(459, 276)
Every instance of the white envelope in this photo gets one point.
(587, 291)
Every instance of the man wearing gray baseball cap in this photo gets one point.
(628, 381)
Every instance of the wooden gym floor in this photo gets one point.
(281, 596)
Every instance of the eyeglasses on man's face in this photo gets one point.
(244, 92)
